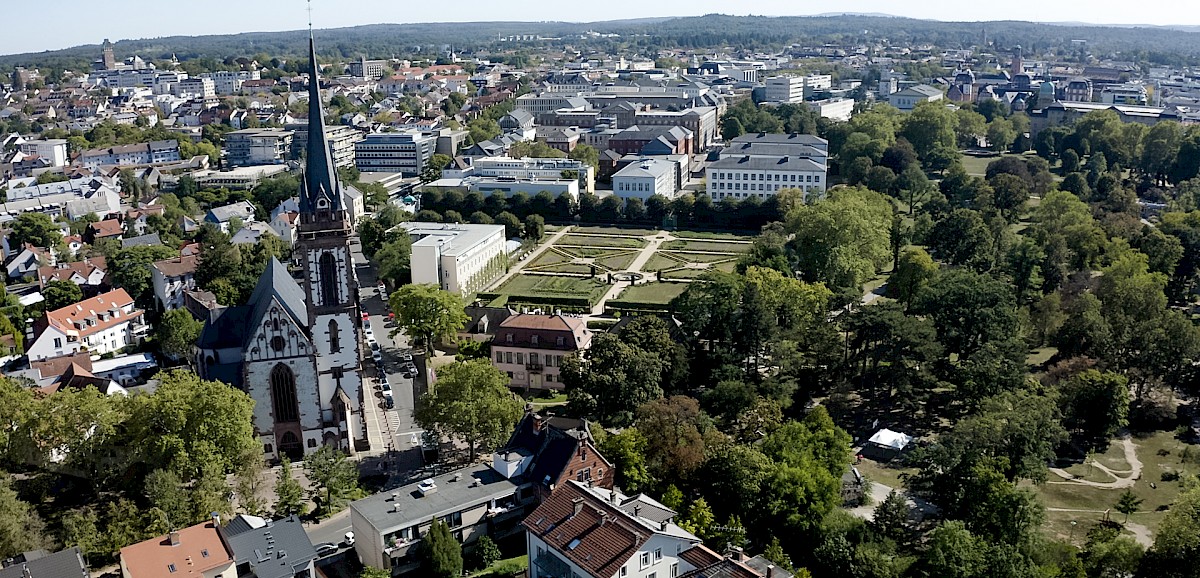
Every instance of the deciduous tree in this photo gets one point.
(471, 402)
(427, 312)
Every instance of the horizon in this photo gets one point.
(259, 16)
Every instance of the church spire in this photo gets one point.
(320, 190)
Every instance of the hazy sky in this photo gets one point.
(75, 22)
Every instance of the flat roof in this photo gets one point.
(458, 238)
(451, 496)
(765, 163)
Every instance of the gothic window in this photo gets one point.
(329, 285)
(335, 339)
(283, 394)
(278, 343)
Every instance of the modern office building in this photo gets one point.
(341, 141)
(459, 258)
(394, 152)
(258, 146)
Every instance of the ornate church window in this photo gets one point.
(329, 283)
(283, 394)
(278, 343)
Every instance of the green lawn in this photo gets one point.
(616, 231)
(617, 261)
(534, 286)
(519, 563)
(655, 293)
(699, 257)
(601, 241)
(709, 235)
(706, 246)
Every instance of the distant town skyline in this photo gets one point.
(78, 22)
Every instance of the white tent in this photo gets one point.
(886, 438)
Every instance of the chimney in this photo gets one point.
(770, 570)
(578, 503)
(662, 525)
(613, 495)
(174, 538)
(216, 519)
(637, 509)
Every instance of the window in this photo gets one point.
(533, 358)
(278, 343)
(533, 339)
(520, 358)
(624, 570)
(674, 570)
(312, 442)
(283, 394)
(560, 342)
(645, 559)
(267, 448)
(652, 575)
(58, 343)
(453, 520)
(329, 282)
(508, 357)
(335, 338)
(499, 357)
(657, 554)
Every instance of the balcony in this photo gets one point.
(534, 367)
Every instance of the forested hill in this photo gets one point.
(1159, 45)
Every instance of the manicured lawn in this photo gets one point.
(601, 241)
(535, 286)
(548, 258)
(663, 260)
(707, 246)
(699, 257)
(708, 235)
(617, 261)
(616, 231)
(886, 474)
(655, 293)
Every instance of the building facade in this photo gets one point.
(646, 178)
(172, 278)
(258, 146)
(164, 151)
(103, 324)
(459, 258)
(394, 152)
(530, 348)
(340, 139)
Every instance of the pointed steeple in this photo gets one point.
(320, 190)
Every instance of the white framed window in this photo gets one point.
(657, 554)
(645, 560)
(624, 570)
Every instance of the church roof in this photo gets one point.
(320, 177)
(277, 282)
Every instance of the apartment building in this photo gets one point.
(1130, 94)
(147, 153)
(394, 152)
(530, 348)
(258, 146)
(172, 278)
(529, 168)
(459, 258)
(203, 88)
(103, 324)
(341, 141)
(53, 151)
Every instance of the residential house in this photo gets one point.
(28, 261)
(285, 224)
(67, 563)
(478, 500)
(157, 152)
(89, 274)
(106, 229)
(263, 548)
(172, 278)
(102, 324)
(646, 178)
(709, 564)
(530, 348)
(251, 233)
(139, 216)
(590, 531)
(258, 146)
(147, 240)
(197, 551)
(222, 216)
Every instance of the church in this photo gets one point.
(295, 346)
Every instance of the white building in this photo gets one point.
(195, 88)
(909, 98)
(394, 152)
(54, 151)
(459, 258)
(796, 88)
(1129, 93)
(528, 168)
(173, 277)
(833, 108)
(103, 324)
(258, 146)
(509, 186)
(759, 165)
(230, 81)
(585, 531)
(645, 179)
(147, 153)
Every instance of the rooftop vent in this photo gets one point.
(427, 487)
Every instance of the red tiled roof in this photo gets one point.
(606, 538)
(65, 319)
(199, 550)
(541, 322)
(109, 228)
(58, 365)
(179, 266)
(64, 271)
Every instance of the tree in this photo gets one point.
(21, 528)
(36, 229)
(535, 227)
(395, 261)
(699, 519)
(805, 485)
(333, 477)
(892, 519)
(248, 483)
(369, 572)
(1128, 503)
(177, 333)
(843, 239)
(512, 225)
(1119, 556)
(954, 552)
(969, 310)
(165, 491)
(289, 496)
(433, 168)
(440, 553)
(486, 552)
(585, 153)
(929, 126)
(611, 379)
(81, 529)
(371, 235)
(675, 444)
(60, 294)
(471, 402)
(626, 450)
(1177, 542)
(962, 238)
(427, 312)
(913, 271)
(1009, 194)
(1095, 404)
(1000, 134)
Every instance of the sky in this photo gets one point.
(76, 22)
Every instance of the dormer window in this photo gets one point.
(533, 340)
(508, 338)
(561, 342)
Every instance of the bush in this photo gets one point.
(1170, 476)
(507, 569)
(485, 553)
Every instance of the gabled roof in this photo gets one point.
(223, 214)
(147, 240)
(552, 443)
(109, 228)
(178, 266)
(199, 549)
(276, 283)
(67, 318)
(38, 564)
(64, 271)
(275, 549)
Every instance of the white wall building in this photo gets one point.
(796, 88)
(171, 278)
(459, 258)
(833, 108)
(763, 177)
(526, 168)
(909, 98)
(53, 151)
(394, 152)
(103, 324)
(645, 179)
(258, 146)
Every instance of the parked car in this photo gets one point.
(384, 385)
(326, 549)
(406, 358)
(366, 316)
(388, 402)
(377, 355)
